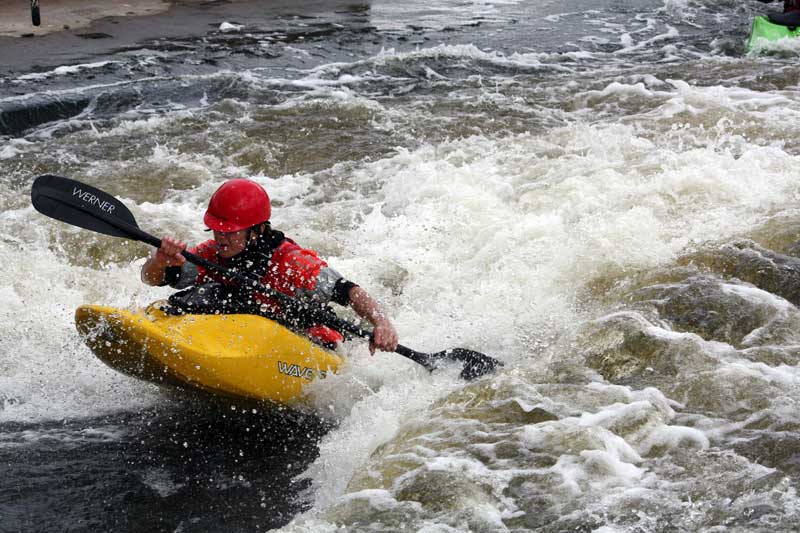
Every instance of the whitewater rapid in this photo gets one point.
(612, 214)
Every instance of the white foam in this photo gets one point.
(373, 416)
(228, 27)
(47, 372)
(14, 147)
(160, 481)
(65, 70)
(786, 46)
(673, 437)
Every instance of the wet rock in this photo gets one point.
(779, 234)
(707, 307)
(381, 511)
(625, 346)
(747, 261)
(794, 249)
(504, 401)
(441, 490)
(779, 450)
(731, 312)
(538, 505)
(773, 355)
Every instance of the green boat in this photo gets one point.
(764, 30)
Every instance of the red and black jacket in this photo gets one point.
(279, 263)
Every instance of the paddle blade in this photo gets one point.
(475, 363)
(81, 205)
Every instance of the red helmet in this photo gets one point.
(238, 204)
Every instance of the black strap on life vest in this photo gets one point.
(222, 299)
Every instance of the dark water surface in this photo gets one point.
(181, 466)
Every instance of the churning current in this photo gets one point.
(602, 194)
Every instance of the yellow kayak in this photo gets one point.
(232, 355)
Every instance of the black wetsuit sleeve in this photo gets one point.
(171, 275)
(341, 291)
(179, 277)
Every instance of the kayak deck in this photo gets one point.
(233, 355)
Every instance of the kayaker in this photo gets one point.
(788, 5)
(238, 214)
(790, 16)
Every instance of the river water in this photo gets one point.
(602, 194)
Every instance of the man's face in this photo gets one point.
(231, 243)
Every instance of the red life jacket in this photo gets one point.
(290, 268)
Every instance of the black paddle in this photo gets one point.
(85, 206)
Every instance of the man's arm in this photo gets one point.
(384, 334)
